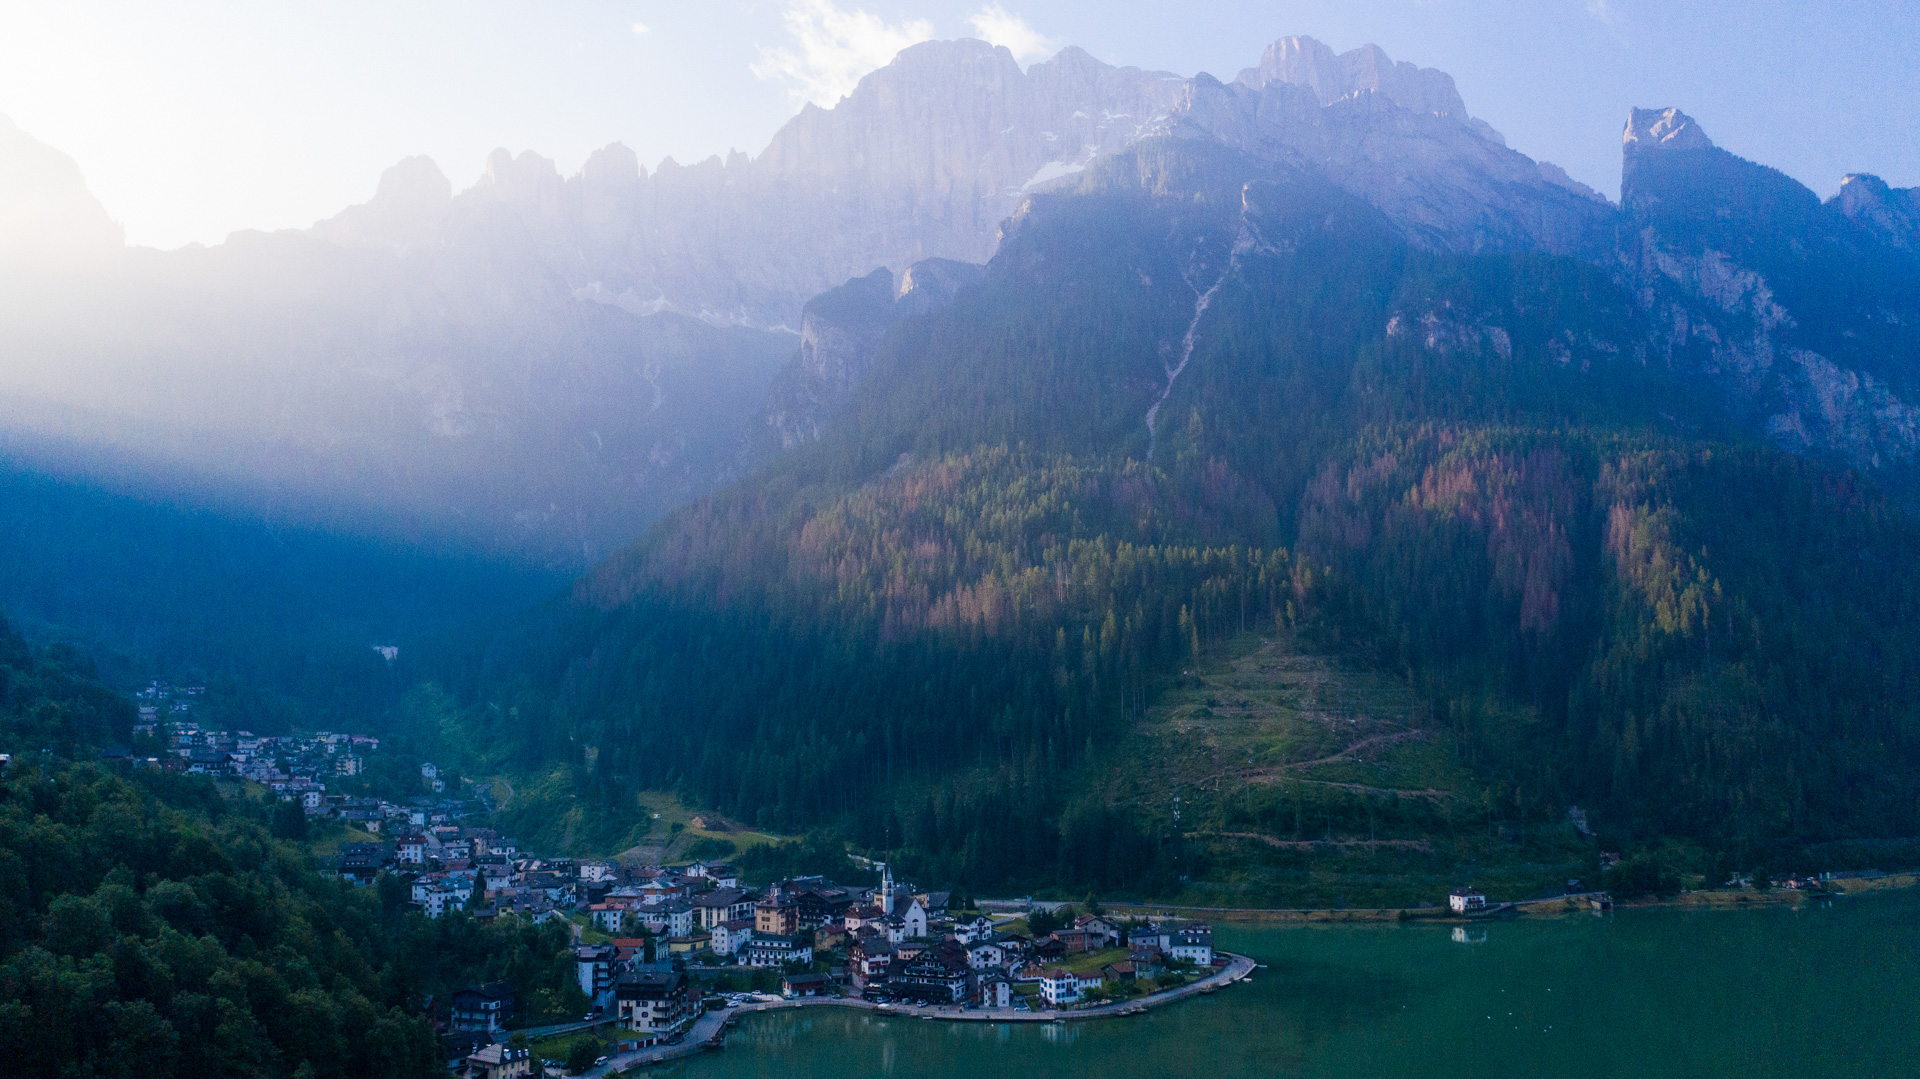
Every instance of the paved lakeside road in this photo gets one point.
(703, 1034)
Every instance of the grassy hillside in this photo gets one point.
(1305, 782)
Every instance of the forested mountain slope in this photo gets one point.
(154, 924)
(1200, 395)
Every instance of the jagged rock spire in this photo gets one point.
(1662, 129)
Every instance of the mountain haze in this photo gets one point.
(542, 365)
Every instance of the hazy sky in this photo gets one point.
(192, 119)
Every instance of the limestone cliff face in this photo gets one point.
(923, 160)
(1801, 314)
(1660, 129)
(931, 153)
(840, 329)
(1399, 137)
(1892, 214)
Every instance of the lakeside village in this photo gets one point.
(678, 942)
(658, 946)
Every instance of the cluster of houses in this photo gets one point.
(450, 867)
(890, 943)
(672, 928)
(970, 963)
(293, 766)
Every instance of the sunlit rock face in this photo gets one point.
(1801, 314)
(923, 160)
(1302, 61)
(1892, 214)
(931, 153)
(1661, 129)
(1400, 137)
(841, 329)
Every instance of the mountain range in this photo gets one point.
(1102, 379)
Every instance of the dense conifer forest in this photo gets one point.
(924, 631)
(156, 925)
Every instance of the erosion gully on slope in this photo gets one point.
(1245, 241)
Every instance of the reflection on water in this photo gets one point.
(1741, 994)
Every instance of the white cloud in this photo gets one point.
(999, 26)
(640, 29)
(1603, 11)
(833, 48)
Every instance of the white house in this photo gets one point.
(425, 884)
(987, 956)
(593, 966)
(996, 991)
(1061, 987)
(1465, 900)
(720, 873)
(775, 951)
(1193, 942)
(442, 900)
(611, 914)
(411, 849)
(729, 936)
(979, 928)
(675, 918)
(915, 920)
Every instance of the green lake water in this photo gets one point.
(1827, 990)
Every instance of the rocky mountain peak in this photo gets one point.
(1891, 213)
(415, 181)
(1303, 61)
(528, 178)
(47, 215)
(1662, 129)
(408, 208)
(612, 165)
(1399, 137)
(931, 284)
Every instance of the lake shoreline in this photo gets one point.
(710, 1031)
(1549, 906)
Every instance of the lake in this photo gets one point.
(1830, 990)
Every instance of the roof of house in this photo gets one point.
(489, 991)
(497, 1054)
(647, 983)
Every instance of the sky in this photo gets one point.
(199, 117)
